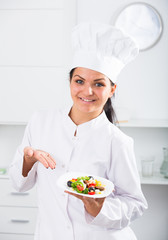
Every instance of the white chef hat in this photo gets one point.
(102, 48)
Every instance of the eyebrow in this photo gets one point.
(96, 80)
(99, 79)
(79, 76)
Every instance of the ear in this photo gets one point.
(113, 88)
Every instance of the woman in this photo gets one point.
(84, 138)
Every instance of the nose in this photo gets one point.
(88, 90)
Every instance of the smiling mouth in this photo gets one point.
(87, 100)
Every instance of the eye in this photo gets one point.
(99, 85)
(79, 81)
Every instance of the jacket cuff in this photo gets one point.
(19, 182)
(99, 219)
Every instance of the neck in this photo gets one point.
(79, 117)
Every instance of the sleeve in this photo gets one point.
(19, 182)
(127, 202)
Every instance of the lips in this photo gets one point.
(87, 100)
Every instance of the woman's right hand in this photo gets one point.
(31, 156)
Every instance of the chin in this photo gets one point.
(89, 109)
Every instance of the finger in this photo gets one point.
(28, 152)
(50, 161)
(47, 161)
(47, 155)
(41, 159)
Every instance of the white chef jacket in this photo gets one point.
(99, 148)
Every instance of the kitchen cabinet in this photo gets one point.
(35, 56)
(16, 237)
(10, 197)
(17, 220)
(18, 212)
(31, 89)
(150, 136)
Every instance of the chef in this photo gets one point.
(84, 138)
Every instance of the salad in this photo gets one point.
(86, 185)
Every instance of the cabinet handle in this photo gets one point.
(20, 221)
(20, 193)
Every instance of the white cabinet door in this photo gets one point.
(24, 91)
(17, 220)
(35, 57)
(16, 237)
(10, 197)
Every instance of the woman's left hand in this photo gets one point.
(92, 205)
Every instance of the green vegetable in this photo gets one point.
(85, 191)
(83, 178)
(78, 191)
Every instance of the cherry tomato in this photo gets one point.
(91, 193)
(92, 185)
(80, 188)
(74, 179)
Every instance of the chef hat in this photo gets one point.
(102, 48)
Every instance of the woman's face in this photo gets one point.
(90, 90)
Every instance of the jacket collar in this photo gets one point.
(84, 127)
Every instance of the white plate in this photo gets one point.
(62, 183)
